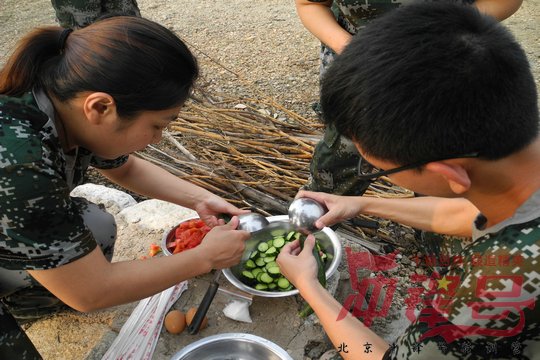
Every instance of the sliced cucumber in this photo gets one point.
(261, 286)
(277, 233)
(274, 271)
(267, 279)
(283, 283)
(261, 270)
(256, 272)
(260, 262)
(279, 242)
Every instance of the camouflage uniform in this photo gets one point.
(516, 241)
(80, 13)
(335, 159)
(41, 226)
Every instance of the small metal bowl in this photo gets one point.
(232, 346)
(327, 238)
(168, 236)
(304, 212)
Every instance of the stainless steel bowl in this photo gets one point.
(232, 346)
(169, 235)
(304, 212)
(327, 238)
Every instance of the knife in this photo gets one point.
(198, 318)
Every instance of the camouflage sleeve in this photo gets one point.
(105, 164)
(40, 226)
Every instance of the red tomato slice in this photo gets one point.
(188, 235)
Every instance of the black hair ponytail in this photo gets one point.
(141, 64)
(22, 69)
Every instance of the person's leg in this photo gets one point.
(76, 13)
(25, 298)
(334, 165)
(14, 344)
(101, 224)
(124, 7)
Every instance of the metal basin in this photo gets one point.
(327, 239)
(232, 346)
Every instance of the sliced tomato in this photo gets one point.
(188, 235)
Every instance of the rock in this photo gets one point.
(344, 275)
(332, 282)
(409, 237)
(314, 349)
(155, 214)
(330, 355)
(405, 260)
(113, 200)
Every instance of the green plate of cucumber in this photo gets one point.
(258, 273)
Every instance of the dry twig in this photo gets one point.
(253, 153)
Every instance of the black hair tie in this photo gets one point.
(63, 38)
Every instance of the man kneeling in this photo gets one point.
(441, 99)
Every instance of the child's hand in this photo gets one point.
(299, 267)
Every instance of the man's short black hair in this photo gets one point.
(430, 80)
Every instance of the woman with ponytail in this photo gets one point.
(74, 99)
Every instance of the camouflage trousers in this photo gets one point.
(334, 166)
(23, 299)
(80, 13)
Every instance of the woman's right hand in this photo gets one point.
(340, 208)
(223, 246)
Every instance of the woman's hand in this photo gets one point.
(340, 208)
(223, 246)
(212, 206)
(298, 266)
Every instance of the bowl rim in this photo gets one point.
(278, 350)
(248, 289)
(275, 294)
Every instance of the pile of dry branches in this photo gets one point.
(254, 153)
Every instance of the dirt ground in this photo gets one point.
(245, 48)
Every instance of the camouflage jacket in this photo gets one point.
(484, 306)
(40, 224)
